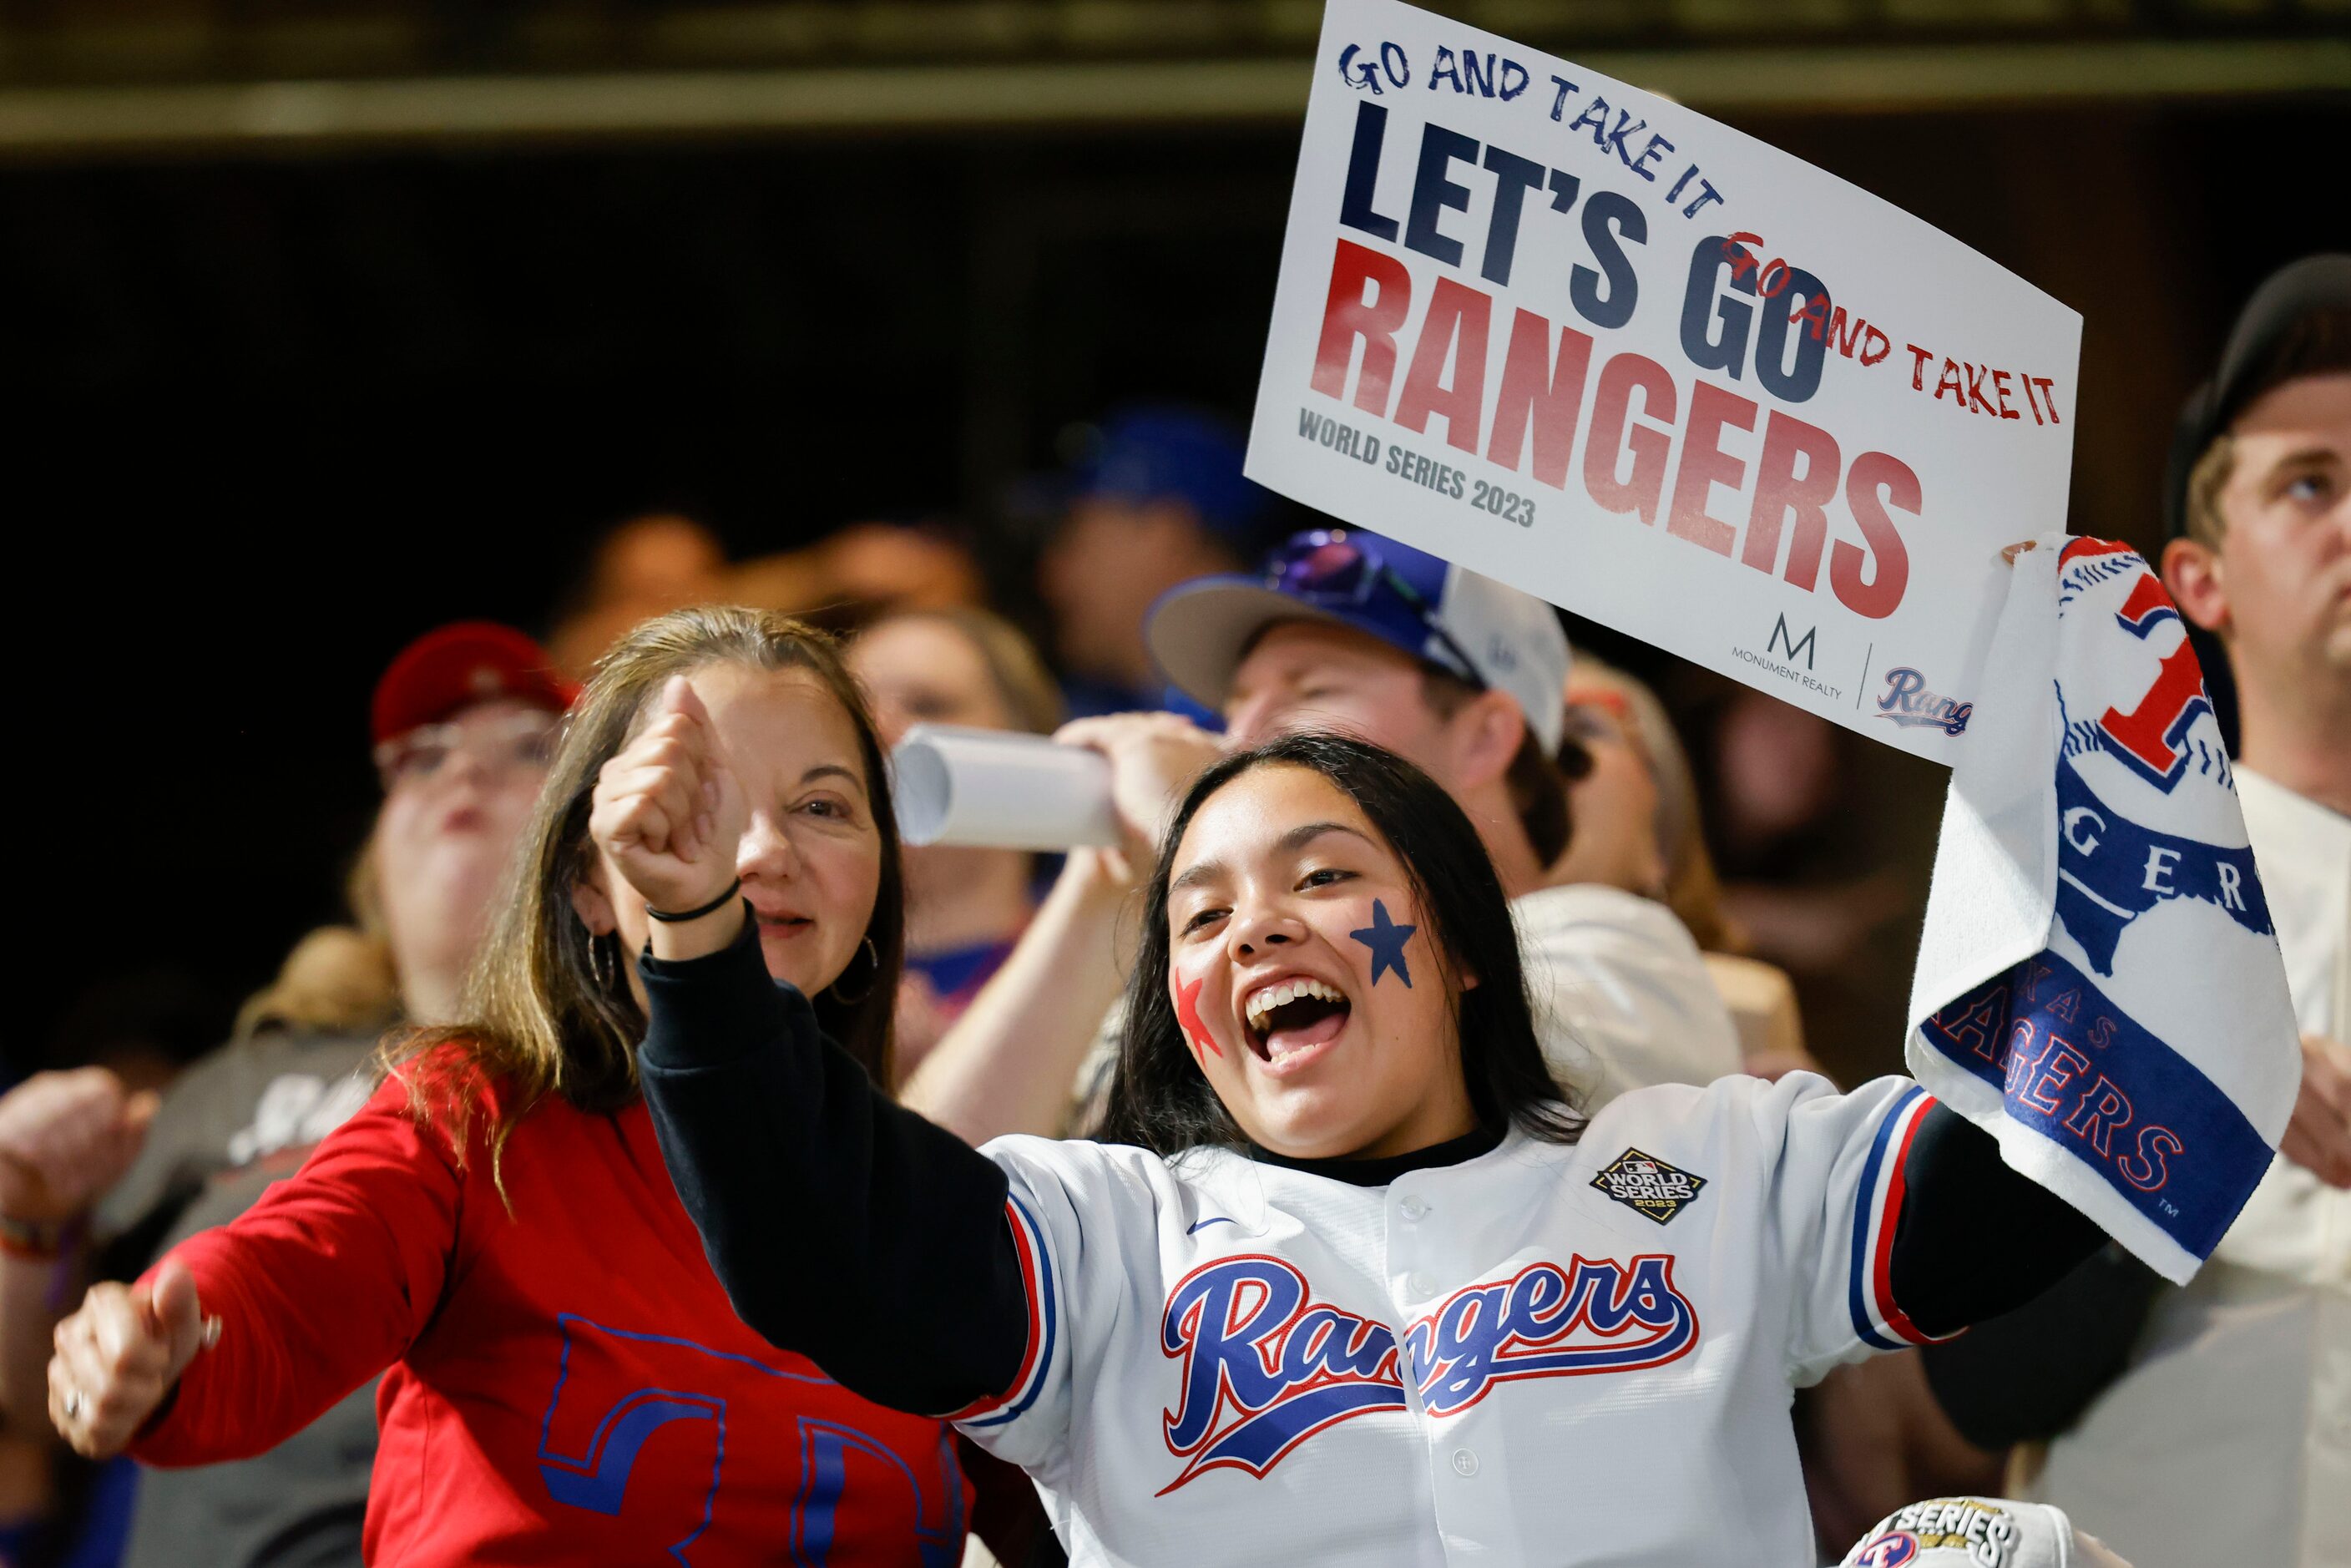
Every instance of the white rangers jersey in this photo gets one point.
(1543, 1355)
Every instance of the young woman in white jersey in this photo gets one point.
(1354, 1282)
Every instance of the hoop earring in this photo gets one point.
(603, 961)
(873, 959)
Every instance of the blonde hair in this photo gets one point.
(1013, 665)
(2205, 481)
(539, 1021)
(1693, 890)
(339, 980)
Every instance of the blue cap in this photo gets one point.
(1488, 634)
(1167, 453)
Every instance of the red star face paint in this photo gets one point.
(1188, 1015)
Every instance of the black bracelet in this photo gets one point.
(713, 907)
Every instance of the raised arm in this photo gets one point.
(1896, 1218)
(316, 1288)
(842, 1225)
(1008, 1064)
(65, 1138)
(1974, 1237)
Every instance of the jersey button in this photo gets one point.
(1412, 1207)
(1465, 1463)
(1422, 1285)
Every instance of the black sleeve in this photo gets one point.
(843, 1226)
(2029, 1374)
(1975, 1239)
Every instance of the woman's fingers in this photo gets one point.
(1154, 757)
(172, 1316)
(111, 1370)
(2318, 1135)
(659, 785)
(680, 698)
(666, 811)
(679, 788)
(63, 1137)
(658, 818)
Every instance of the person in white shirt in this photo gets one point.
(2215, 1425)
(1345, 629)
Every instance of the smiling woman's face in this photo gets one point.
(1308, 986)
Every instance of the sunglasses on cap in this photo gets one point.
(1329, 570)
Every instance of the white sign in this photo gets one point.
(1583, 341)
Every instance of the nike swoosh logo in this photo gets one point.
(1203, 1224)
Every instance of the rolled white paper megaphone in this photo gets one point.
(1000, 789)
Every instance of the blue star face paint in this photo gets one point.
(1385, 939)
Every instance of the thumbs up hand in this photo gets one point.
(667, 810)
(121, 1354)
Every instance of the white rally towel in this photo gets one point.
(2098, 983)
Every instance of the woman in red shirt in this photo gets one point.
(566, 1381)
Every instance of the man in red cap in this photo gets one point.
(95, 1182)
(463, 721)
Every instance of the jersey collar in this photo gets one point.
(1385, 1170)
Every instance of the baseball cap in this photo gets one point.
(2251, 364)
(1488, 635)
(1166, 451)
(1968, 1532)
(452, 666)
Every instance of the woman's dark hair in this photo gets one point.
(1160, 1099)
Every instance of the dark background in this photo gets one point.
(285, 414)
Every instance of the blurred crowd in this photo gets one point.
(1632, 808)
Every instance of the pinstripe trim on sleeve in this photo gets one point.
(1878, 1318)
(1037, 1280)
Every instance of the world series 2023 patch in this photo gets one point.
(1647, 1184)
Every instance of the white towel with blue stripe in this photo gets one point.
(2099, 986)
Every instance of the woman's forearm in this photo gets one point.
(843, 1226)
(326, 1280)
(1976, 1238)
(34, 1294)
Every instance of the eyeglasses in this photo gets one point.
(1327, 569)
(510, 741)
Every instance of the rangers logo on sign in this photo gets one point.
(1648, 1184)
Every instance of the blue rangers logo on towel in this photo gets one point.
(2111, 870)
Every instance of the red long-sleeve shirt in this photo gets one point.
(567, 1382)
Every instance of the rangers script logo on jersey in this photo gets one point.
(1648, 1185)
(1265, 1367)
